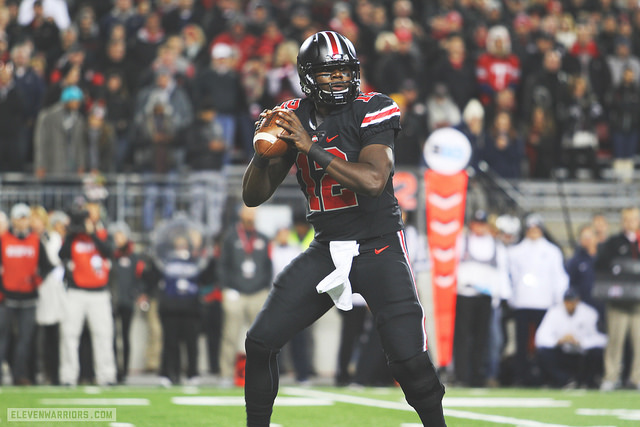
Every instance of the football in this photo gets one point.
(266, 141)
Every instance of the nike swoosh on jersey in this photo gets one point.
(377, 251)
(332, 138)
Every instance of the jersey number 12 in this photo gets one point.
(332, 195)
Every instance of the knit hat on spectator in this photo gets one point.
(20, 210)
(522, 20)
(58, 217)
(454, 18)
(403, 34)
(71, 93)
(98, 110)
(571, 295)
(473, 110)
(408, 85)
(221, 50)
(534, 220)
(301, 10)
(480, 215)
(120, 226)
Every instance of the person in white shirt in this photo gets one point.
(483, 281)
(538, 282)
(54, 9)
(568, 344)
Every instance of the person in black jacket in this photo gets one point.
(457, 71)
(222, 83)
(623, 317)
(13, 149)
(581, 270)
(624, 120)
(125, 285)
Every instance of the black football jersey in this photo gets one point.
(336, 212)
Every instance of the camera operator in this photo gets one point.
(23, 265)
(86, 252)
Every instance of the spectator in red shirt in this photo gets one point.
(236, 36)
(497, 68)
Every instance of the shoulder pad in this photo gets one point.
(291, 104)
(379, 109)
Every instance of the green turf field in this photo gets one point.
(329, 407)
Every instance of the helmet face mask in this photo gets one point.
(328, 50)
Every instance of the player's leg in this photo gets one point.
(385, 280)
(292, 305)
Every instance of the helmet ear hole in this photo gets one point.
(322, 50)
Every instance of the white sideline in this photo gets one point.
(403, 406)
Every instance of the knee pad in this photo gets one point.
(419, 381)
(258, 348)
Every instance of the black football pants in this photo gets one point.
(381, 274)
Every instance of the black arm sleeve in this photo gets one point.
(65, 250)
(208, 275)
(150, 278)
(105, 247)
(44, 263)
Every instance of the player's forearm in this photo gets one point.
(255, 186)
(368, 176)
(260, 180)
(362, 178)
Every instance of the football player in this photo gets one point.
(342, 144)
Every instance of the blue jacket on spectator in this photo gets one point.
(582, 275)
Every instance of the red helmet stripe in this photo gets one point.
(332, 40)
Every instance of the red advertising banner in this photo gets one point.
(445, 205)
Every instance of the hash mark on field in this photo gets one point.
(623, 414)
(364, 401)
(92, 389)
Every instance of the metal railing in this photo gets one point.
(126, 193)
(126, 196)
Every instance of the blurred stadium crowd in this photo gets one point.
(172, 86)
(557, 81)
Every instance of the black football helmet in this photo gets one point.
(323, 50)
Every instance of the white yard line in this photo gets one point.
(364, 401)
(239, 401)
(504, 402)
(97, 402)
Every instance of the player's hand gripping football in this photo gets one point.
(297, 136)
